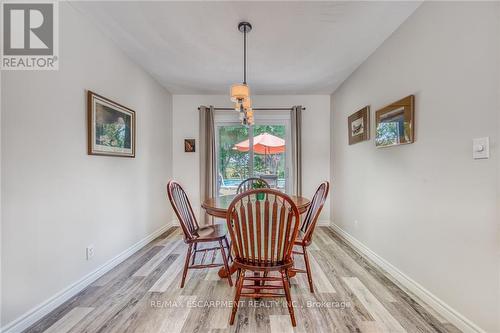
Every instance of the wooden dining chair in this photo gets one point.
(307, 228)
(263, 233)
(248, 184)
(193, 234)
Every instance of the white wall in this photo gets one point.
(56, 199)
(315, 140)
(429, 208)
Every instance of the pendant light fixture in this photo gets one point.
(240, 92)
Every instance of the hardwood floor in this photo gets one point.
(142, 294)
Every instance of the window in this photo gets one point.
(259, 151)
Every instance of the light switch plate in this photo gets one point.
(481, 148)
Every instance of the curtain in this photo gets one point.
(207, 158)
(296, 120)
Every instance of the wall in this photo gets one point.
(315, 138)
(56, 199)
(428, 208)
(1, 221)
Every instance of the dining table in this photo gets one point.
(218, 206)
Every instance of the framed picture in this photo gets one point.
(359, 126)
(111, 127)
(189, 145)
(395, 123)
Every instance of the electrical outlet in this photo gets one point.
(356, 223)
(90, 251)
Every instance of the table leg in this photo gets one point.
(223, 273)
(232, 268)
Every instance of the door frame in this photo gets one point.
(262, 117)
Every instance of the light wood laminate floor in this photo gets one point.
(142, 294)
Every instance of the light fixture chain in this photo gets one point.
(245, 56)
(240, 93)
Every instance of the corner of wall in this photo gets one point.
(332, 136)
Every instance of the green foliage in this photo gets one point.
(257, 185)
(276, 130)
(387, 134)
(234, 164)
(112, 135)
(390, 133)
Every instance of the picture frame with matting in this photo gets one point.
(395, 123)
(110, 127)
(359, 126)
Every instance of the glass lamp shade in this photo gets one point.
(249, 116)
(247, 103)
(239, 92)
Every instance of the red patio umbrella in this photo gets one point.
(264, 144)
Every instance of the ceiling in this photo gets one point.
(294, 47)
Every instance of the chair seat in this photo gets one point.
(211, 232)
(263, 266)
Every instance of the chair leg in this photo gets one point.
(308, 269)
(226, 265)
(194, 253)
(186, 265)
(230, 256)
(239, 286)
(286, 286)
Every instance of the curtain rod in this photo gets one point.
(257, 109)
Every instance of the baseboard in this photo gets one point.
(446, 311)
(38, 312)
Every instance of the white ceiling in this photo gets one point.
(294, 47)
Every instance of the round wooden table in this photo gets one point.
(218, 206)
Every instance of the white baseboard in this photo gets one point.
(446, 311)
(38, 312)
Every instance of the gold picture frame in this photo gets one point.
(359, 126)
(395, 123)
(110, 127)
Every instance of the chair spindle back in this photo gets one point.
(248, 184)
(182, 208)
(263, 231)
(317, 202)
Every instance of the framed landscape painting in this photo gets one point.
(111, 127)
(359, 125)
(395, 124)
